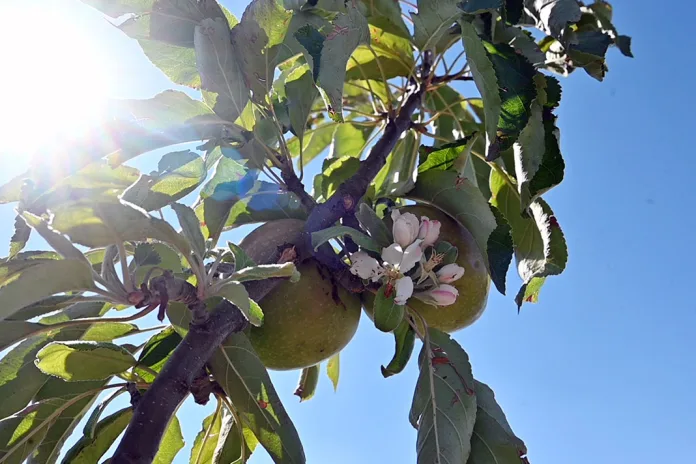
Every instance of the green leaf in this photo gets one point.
(350, 140)
(396, 177)
(552, 167)
(336, 172)
(99, 224)
(78, 397)
(156, 352)
(20, 380)
(21, 434)
(93, 420)
(266, 271)
(552, 16)
(374, 226)
(386, 15)
(363, 241)
(529, 149)
(241, 259)
(23, 282)
(333, 369)
(474, 7)
(314, 141)
(180, 173)
(45, 306)
(88, 450)
(267, 22)
(405, 339)
(57, 241)
(327, 52)
(221, 76)
(240, 372)
(432, 22)
(388, 56)
(207, 440)
(387, 314)
(521, 41)
(444, 403)
(451, 156)
(307, 386)
(13, 331)
(301, 95)
(493, 440)
(267, 202)
(505, 80)
(171, 443)
(20, 237)
(191, 228)
(236, 293)
(168, 259)
(455, 119)
(460, 199)
(500, 250)
(529, 293)
(233, 441)
(77, 361)
(540, 247)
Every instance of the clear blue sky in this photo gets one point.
(601, 370)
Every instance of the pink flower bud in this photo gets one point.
(449, 273)
(444, 295)
(405, 228)
(429, 231)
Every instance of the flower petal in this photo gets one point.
(450, 273)
(393, 254)
(365, 266)
(411, 256)
(404, 290)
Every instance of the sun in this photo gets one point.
(55, 79)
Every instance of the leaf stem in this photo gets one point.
(123, 258)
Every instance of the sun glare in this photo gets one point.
(54, 80)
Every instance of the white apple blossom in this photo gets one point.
(404, 290)
(405, 228)
(402, 260)
(365, 266)
(429, 231)
(449, 273)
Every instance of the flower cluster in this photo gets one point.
(413, 265)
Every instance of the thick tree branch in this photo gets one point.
(161, 401)
(344, 201)
(295, 185)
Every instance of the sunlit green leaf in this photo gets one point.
(104, 223)
(156, 352)
(23, 282)
(221, 76)
(333, 369)
(207, 440)
(88, 450)
(432, 22)
(190, 228)
(388, 56)
(240, 372)
(336, 171)
(307, 386)
(178, 175)
(237, 294)
(327, 53)
(267, 271)
(386, 15)
(301, 95)
(75, 361)
(172, 442)
(396, 177)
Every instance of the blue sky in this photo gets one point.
(601, 369)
